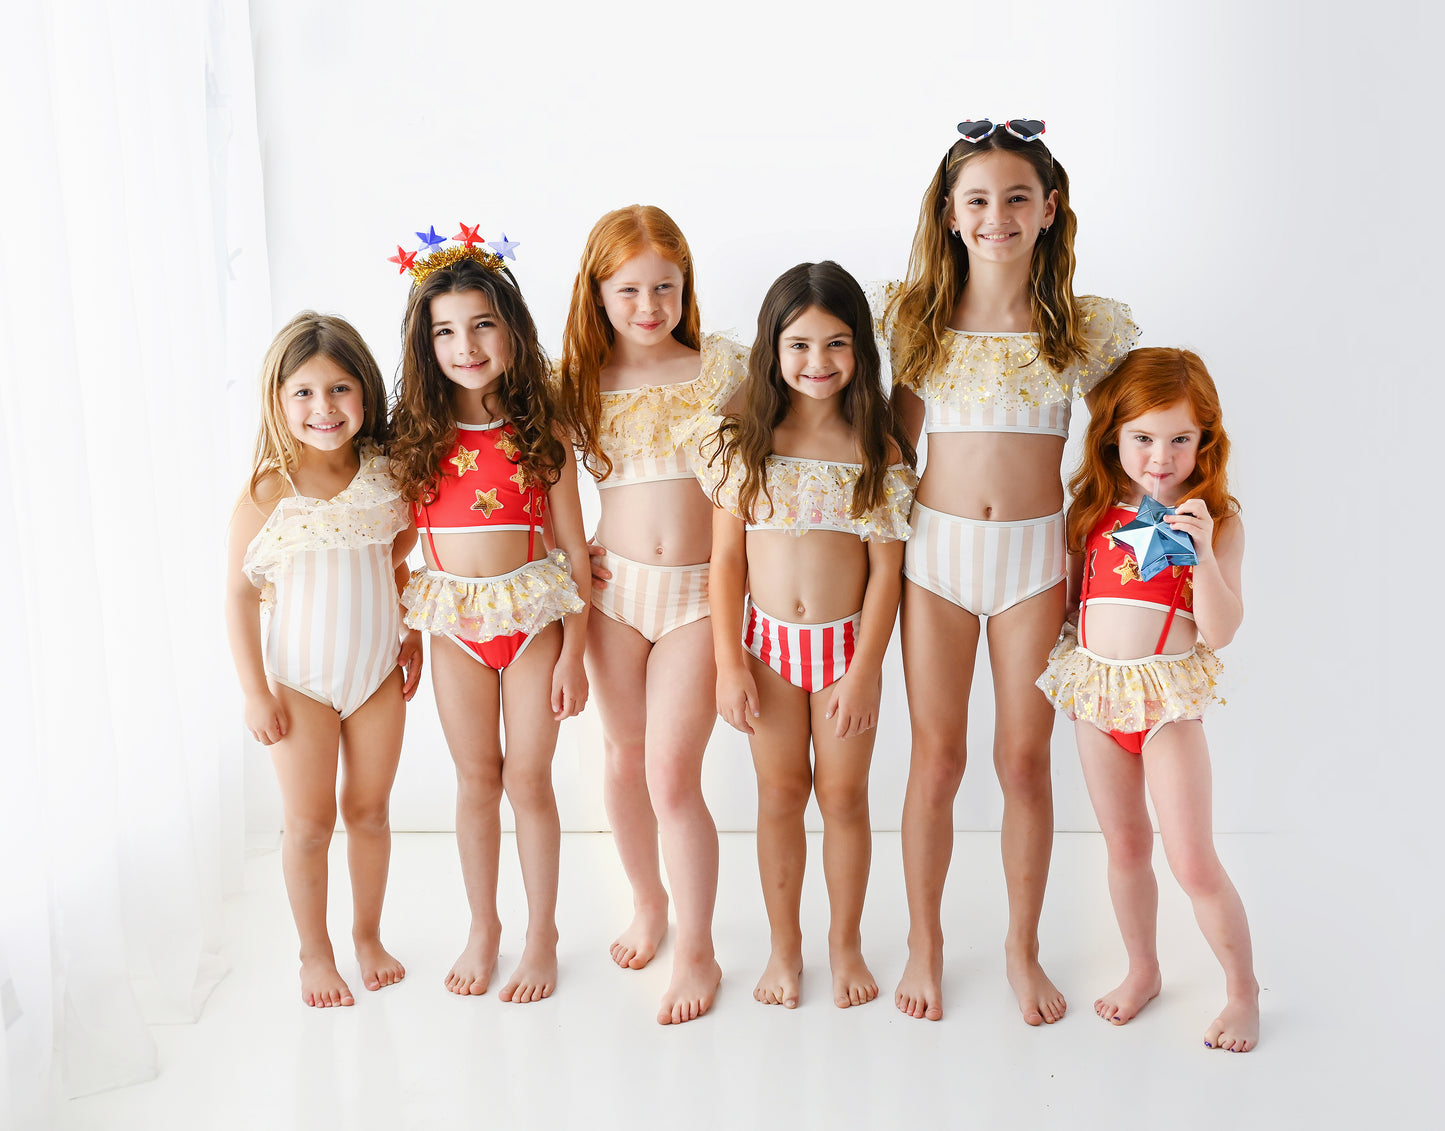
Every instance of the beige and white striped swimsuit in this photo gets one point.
(333, 628)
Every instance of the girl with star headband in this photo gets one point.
(1139, 671)
(479, 454)
(641, 384)
(989, 347)
(326, 667)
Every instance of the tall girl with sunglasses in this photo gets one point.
(989, 346)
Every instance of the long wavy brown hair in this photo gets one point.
(423, 424)
(938, 266)
(304, 337)
(747, 438)
(1146, 381)
(588, 336)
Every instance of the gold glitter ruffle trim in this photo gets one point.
(483, 608)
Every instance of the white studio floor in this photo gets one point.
(1343, 1043)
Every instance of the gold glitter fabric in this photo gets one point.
(1130, 695)
(1005, 371)
(653, 431)
(369, 510)
(482, 608)
(811, 494)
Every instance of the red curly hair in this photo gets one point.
(1146, 381)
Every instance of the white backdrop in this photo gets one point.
(1224, 173)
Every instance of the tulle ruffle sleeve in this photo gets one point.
(371, 509)
(1110, 331)
(724, 369)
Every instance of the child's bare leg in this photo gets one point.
(1019, 640)
(681, 711)
(370, 749)
(305, 762)
(840, 782)
(617, 673)
(467, 704)
(531, 739)
(940, 645)
(1116, 787)
(1176, 764)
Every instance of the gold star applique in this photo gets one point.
(507, 446)
(522, 478)
(541, 506)
(487, 502)
(1109, 537)
(466, 461)
(1128, 569)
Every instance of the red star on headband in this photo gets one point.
(405, 258)
(468, 236)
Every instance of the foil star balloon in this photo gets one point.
(468, 236)
(404, 257)
(430, 241)
(504, 246)
(1153, 542)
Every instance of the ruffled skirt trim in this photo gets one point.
(482, 608)
(1131, 695)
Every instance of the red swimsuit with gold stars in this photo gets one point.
(483, 488)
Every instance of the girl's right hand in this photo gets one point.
(737, 698)
(266, 719)
(600, 575)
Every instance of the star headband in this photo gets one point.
(466, 244)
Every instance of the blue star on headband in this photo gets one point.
(504, 246)
(1153, 542)
(430, 241)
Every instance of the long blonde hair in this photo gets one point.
(938, 266)
(304, 337)
(588, 337)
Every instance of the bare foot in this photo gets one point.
(636, 946)
(378, 968)
(1237, 1028)
(471, 973)
(1039, 1001)
(689, 996)
(536, 974)
(920, 990)
(782, 978)
(322, 984)
(853, 982)
(1123, 1003)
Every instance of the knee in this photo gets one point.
(674, 789)
(937, 764)
(310, 832)
(1130, 849)
(479, 785)
(366, 817)
(530, 788)
(842, 801)
(1198, 871)
(1023, 770)
(626, 762)
(784, 795)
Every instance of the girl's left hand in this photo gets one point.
(1192, 517)
(854, 703)
(410, 658)
(569, 688)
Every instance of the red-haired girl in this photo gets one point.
(1142, 668)
(640, 384)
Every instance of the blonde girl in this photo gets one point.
(641, 384)
(1140, 670)
(318, 547)
(989, 347)
(481, 458)
(813, 485)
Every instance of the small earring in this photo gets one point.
(953, 231)
(1044, 230)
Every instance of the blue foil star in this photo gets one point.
(504, 246)
(1153, 542)
(430, 241)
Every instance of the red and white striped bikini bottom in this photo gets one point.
(810, 656)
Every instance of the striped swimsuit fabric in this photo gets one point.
(654, 600)
(984, 567)
(333, 624)
(809, 656)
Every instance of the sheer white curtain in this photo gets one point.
(132, 291)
